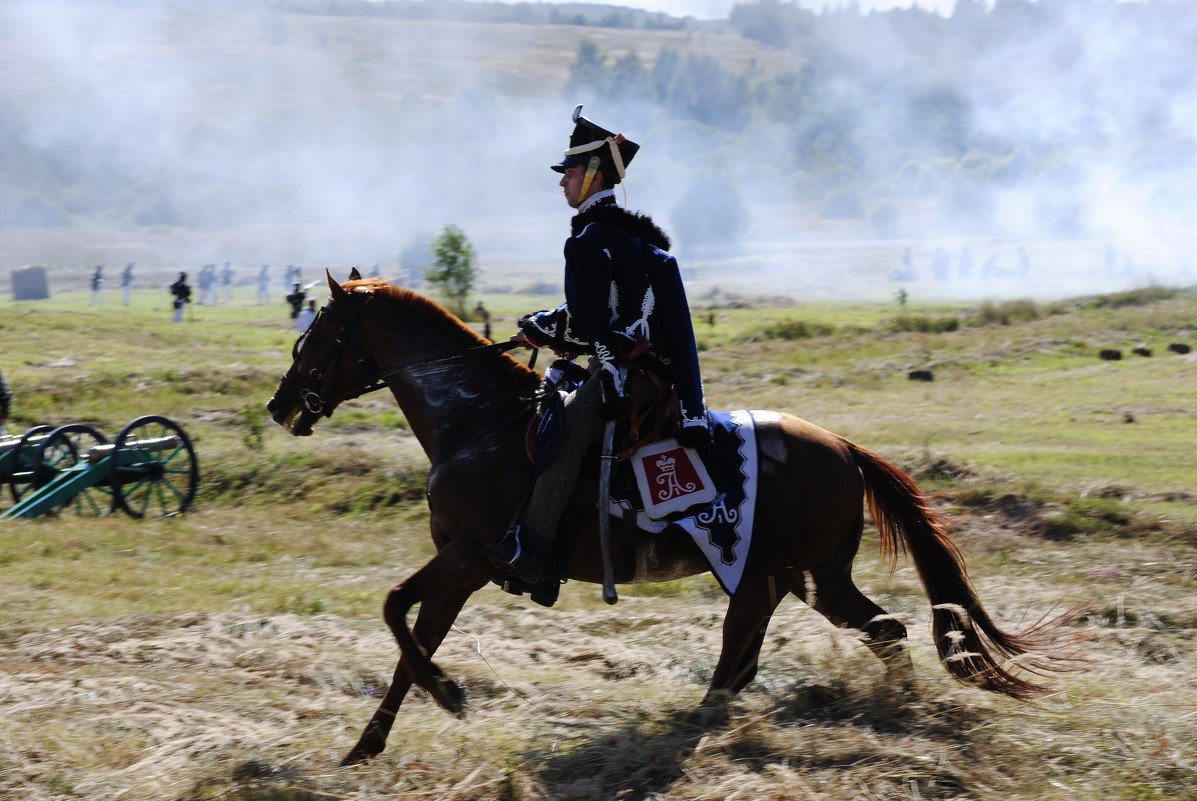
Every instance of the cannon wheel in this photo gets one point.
(21, 462)
(64, 448)
(162, 485)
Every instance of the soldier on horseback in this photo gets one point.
(625, 305)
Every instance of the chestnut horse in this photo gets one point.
(469, 405)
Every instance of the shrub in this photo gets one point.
(1021, 311)
(1134, 297)
(924, 324)
(796, 329)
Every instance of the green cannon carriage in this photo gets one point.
(149, 470)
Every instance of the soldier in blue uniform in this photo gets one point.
(626, 306)
(5, 405)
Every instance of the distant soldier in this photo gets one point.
(481, 311)
(127, 282)
(264, 285)
(5, 405)
(226, 281)
(296, 299)
(303, 320)
(182, 296)
(208, 285)
(97, 287)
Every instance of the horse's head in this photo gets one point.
(327, 364)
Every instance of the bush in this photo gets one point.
(924, 324)
(1134, 297)
(796, 329)
(1021, 311)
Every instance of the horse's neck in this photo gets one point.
(454, 403)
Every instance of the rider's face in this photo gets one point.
(572, 180)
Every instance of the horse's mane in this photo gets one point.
(436, 315)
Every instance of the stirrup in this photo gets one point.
(523, 561)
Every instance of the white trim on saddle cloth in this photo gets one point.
(727, 563)
(671, 478)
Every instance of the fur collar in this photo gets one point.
(634, 223)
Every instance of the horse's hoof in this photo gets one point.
(452, 696)
(717, 699)
(355, 757)
(715, 708)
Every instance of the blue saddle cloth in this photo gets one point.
(722, 529)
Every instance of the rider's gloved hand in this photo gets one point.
(528, 340)
(694, 434)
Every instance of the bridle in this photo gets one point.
(312, 393)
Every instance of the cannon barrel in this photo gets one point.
(12, 442)
(97, 453)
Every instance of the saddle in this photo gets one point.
(655, 482)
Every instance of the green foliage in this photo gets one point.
(251, 418)
(1133, 297)
(1007, 312)
(787, 330)
(454, 268)
(1101, 517)
(925, 324)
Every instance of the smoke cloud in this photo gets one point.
(175, 134)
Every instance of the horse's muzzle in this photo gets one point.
(285, 415)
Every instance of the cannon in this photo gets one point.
(149, 470)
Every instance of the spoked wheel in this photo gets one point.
(20, 475)
(64, 448)
(153, 470)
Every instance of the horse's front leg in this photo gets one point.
(441, 588)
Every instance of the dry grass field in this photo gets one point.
(235, 652)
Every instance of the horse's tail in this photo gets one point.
(971, 646)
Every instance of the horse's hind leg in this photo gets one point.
(829, 590)
(744, 626)
(433, 622)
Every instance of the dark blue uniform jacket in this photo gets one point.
(621, 287)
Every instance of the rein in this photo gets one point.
(378, 380)
(310, 394)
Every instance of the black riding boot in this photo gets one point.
(522, 554)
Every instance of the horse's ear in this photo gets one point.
(334, 287)
(354, 275)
